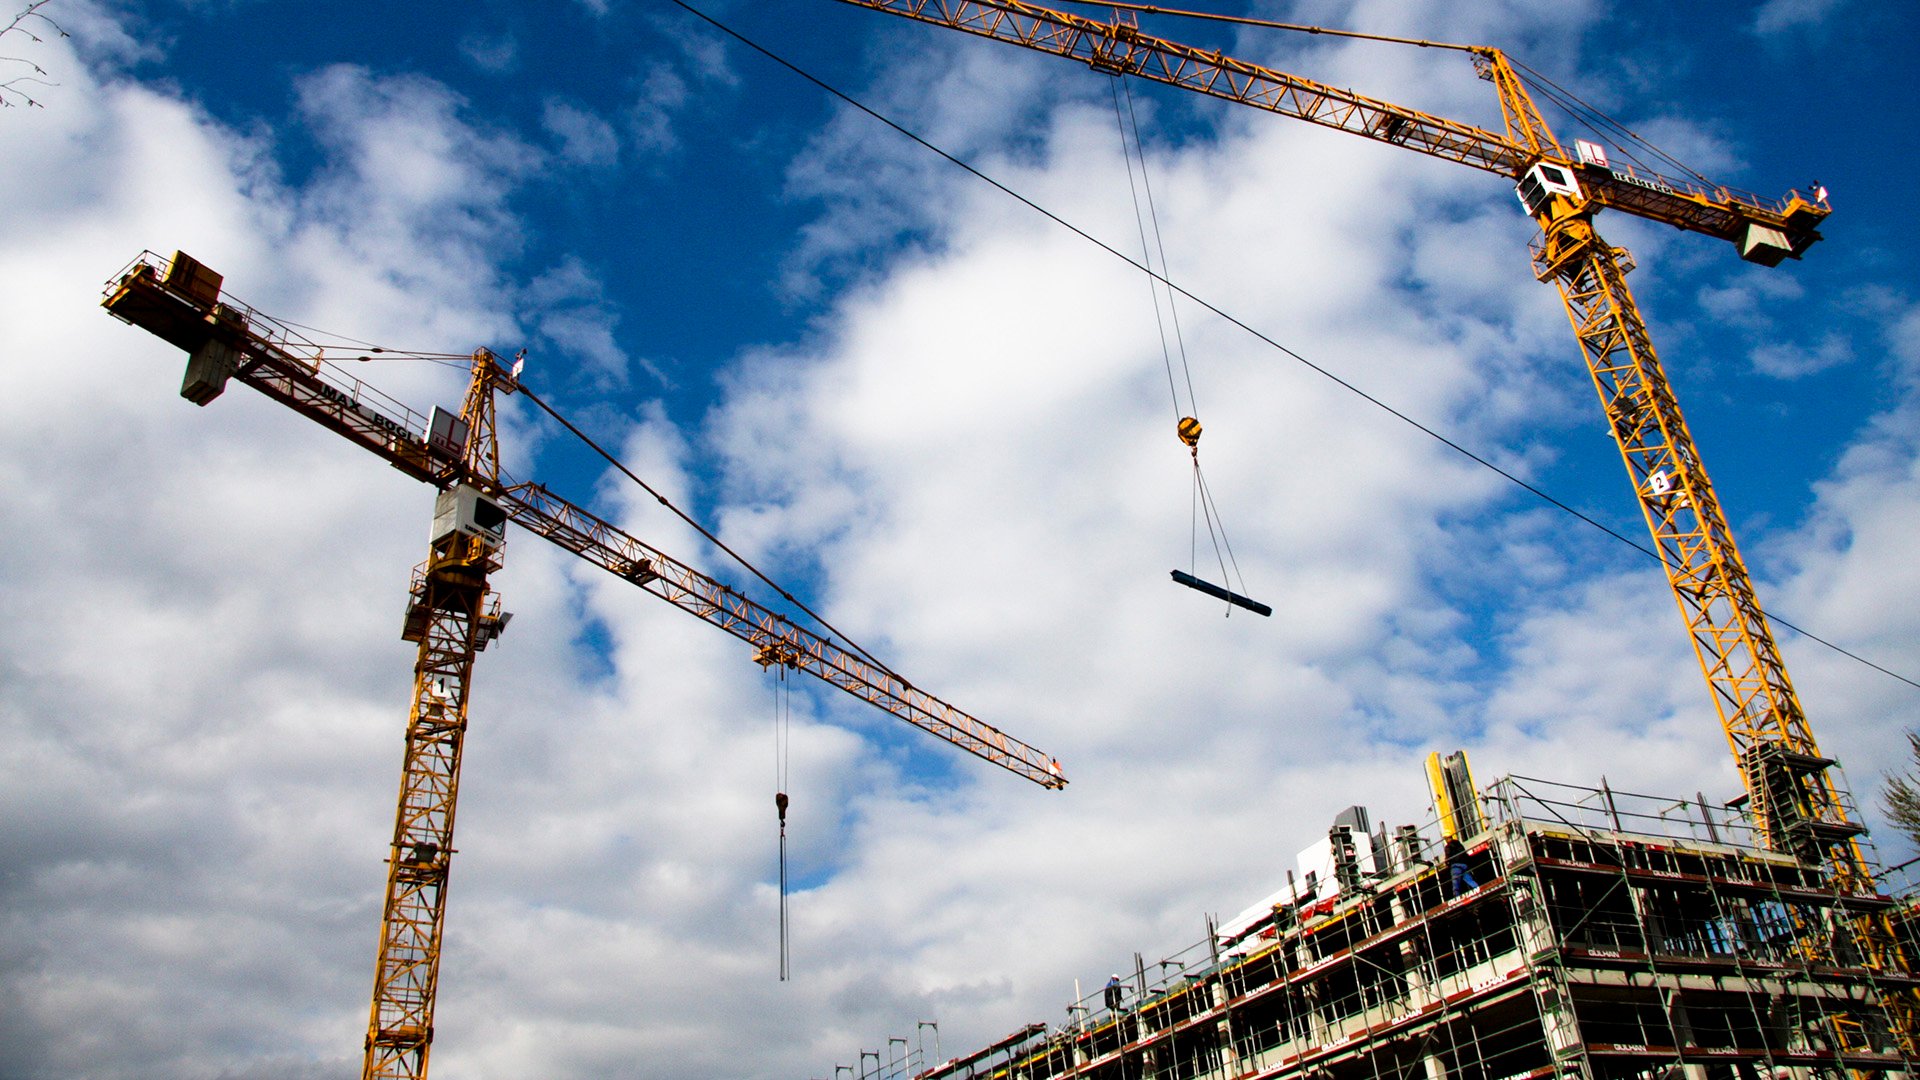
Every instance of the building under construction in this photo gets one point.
(1572, 932)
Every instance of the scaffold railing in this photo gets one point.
(1594, 932)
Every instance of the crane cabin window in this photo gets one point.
(464, 510)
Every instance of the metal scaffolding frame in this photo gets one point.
(1610, 936)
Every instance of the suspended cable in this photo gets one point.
(834, 632)
(1159, 241)
(335, 340)
(786, 966)
(1243, 20)
(1216, 528)
(1580, 109)
(1234, 321)
(1185, 420)
(782, 744)
(1561, 96)
(1139, 221)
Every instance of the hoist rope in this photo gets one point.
(782, 746)
(1160, 243)
(1140, 224)
(782, 726)
(1203, 505)
(1236, 322)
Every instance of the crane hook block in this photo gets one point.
(1219, 593)
(1190, 431)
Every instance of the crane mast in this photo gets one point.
(1794, 795)
(452, 614)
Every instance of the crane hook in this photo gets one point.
(1189, 430)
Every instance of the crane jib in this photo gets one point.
(1121, 48)
(179, 301)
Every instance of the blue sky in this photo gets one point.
(944, 421)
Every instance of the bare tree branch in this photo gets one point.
(1901, 797)
(13, 91)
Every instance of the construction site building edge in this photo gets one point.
(1533, 929)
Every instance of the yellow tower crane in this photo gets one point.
(1795, 797)
(1794, 794)
(453, 614)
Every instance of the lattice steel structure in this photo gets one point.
(1607, 936)
(1801, 802)
(452, 615)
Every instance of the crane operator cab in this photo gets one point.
(1539, 184)
(467, 511)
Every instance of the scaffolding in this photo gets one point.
(1590, 934)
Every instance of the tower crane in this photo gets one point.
(1796, 799)
(453, 614)
(1794, 793)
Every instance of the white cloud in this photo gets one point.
(495, 55)
(669, 85)
(568, 307)
(201, 678)
(1752, 303)
(662, 94)
(585, 139)
(203, 674)
(1778, 17)
(412, 187)
(1853, 582)
(875, 186)
(1785, 361)
(1746, 300)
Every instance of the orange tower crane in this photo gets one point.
(453, 614)
(1795, 795)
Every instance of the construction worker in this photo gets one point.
(1114, 992)
(1459, 879)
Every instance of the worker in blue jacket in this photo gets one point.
(1459, 878)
